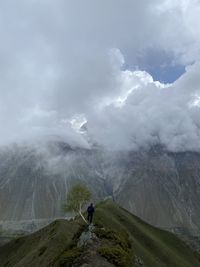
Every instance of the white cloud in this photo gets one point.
(152, 113)
(57, 62)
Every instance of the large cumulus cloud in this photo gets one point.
(62, 60)
(151, 113)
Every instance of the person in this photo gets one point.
(90, 211)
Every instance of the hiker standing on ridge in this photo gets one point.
(90, 211)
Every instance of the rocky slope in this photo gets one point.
(163, 188)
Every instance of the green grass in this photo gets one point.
(116, 255)
(67, 258)
(156, 247)
(41, 248)
(121, 235)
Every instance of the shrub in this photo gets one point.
(118, 238)
(68, 257)
(42, 250)
(116, 255)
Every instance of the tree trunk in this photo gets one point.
(82, 215)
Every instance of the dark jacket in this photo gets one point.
(90, 209)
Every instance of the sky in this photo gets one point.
(129, 68)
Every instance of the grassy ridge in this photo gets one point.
(157, 248)
(41, 248)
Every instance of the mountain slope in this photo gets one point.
(159, 186)
(116, 230)
(163, 189)
(155, 246)
(34, 183)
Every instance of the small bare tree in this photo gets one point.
(77, 197)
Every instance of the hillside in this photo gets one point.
(118, 239)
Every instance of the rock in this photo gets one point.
(138, 262)
(91, 227)
(87, 237)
